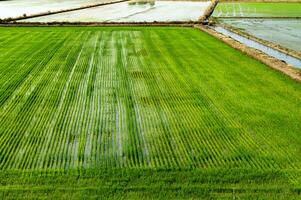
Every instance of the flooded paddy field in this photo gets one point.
(17, 8)
(132, 12)
(295, 62)
(258, 10)
(285, 32)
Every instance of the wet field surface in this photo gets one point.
(132, 12)
(286, 32)
(17, 8)
(253, 44)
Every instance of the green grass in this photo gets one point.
(150, 184)
(258, 10)
(143, 113)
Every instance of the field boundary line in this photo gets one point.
(270, 61)
(209, 11)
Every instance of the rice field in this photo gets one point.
(260, 9)
(87, 111)
(149, 11)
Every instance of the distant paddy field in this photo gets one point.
(246, 9)
(17, 8)
(143, 112)
(285, 32)
(132, 11)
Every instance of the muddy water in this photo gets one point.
(132, 12)
(272, 52)
(16, 8)
(286, 32)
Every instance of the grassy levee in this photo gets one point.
(257, 9)
(143, 112)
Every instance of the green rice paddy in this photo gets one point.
(246, 9)
(143, 113)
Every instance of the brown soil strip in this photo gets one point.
(272, 45)
(100, 24)
(209, 11)
(61, 11)
(256, 54)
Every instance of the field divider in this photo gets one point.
(209, 11)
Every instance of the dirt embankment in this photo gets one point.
(98, 24)
(60, 11)
(209, 11)
(256, 54)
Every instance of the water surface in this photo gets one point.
(132, 12)
(17, 8)
(286, 32)
(270, 51)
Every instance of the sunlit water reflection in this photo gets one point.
(132, 12)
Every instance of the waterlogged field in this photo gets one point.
(143, 113)
(132, 12)
(286, 32)
(16, 8)
(258, 10)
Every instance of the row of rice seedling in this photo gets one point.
(201, 122)
(143, 112)
(14, 127)
(56, 131)
(141, 98)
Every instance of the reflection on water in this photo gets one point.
(270, 51)
(17, 8)
(136, 11)
(286, 32)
